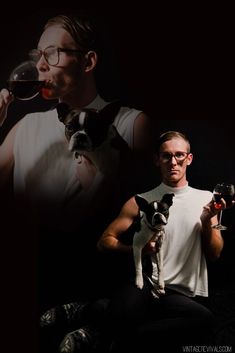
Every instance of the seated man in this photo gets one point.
(178, 317)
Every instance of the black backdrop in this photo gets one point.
(173, 64)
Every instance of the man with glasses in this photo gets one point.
(51, 54)
(177, 318)
(66, 59)
(46, 173)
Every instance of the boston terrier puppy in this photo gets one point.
(154, 217)
(92, 135)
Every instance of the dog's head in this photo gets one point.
(156, 212)
(87, 129)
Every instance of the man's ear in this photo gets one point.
(90, 60)
(189, 159)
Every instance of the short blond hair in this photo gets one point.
(169, 135)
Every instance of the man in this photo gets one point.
(52, 186)
(177, 318)
(36, 147)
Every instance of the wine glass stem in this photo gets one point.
(220, 216)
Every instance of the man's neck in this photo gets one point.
(177, 184)
(83, 97)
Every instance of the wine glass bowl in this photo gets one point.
(24, 82)
(222, 191)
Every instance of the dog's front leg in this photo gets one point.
(157, 261)
(160, 271)
(137, 251)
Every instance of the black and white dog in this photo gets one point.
(154, 217)
(91, 134)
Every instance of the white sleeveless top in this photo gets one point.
(44, 168)
(184, 264)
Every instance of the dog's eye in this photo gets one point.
(164, 210)
(71, 126)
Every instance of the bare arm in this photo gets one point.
(6, 148)
(143, 152)
(5, 99)
(212, 240)
(7, 157)
(143, 133)
(109, 241)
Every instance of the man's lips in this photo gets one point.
(173, 171)
(47, 89)
(48, 84)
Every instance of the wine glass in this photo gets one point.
(225, 191)
(23, 81)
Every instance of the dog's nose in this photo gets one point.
(159, 218)
(80, 142)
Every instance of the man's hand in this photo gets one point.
(86, 172)
(212, 209)
(5, 99)
(150, 248)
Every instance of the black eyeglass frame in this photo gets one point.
(167, 156)
(58, 50)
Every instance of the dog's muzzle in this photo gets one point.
(158, 219)
(80, 142)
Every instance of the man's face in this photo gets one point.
(173, 160)
(64, 78)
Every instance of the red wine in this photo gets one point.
(227, 198)
(25, 89)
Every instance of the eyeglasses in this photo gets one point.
(179, 156)
(51, 54)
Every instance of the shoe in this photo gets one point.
(66, 314)
(81, 340)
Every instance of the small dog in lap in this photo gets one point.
(154, 217)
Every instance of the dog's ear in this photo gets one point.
(109, 112)
(142, 203)
(112, 132)
(62, 110)
(168, 199)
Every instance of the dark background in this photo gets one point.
(172, 62)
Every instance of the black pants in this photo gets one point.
(140, 323)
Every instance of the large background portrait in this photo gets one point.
(173, 65)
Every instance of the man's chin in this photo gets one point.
(173, 180)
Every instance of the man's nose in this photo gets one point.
(173, 159)
(42, 64)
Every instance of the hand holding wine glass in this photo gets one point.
(23, 81)
(226, 192)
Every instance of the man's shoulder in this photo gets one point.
(151, 194)
(39, 115)
(37, 122)
(201, 192)
(126, 116)
(125, 110)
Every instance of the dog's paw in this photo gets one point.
(158, 292)
(155, 294)
(139, 283)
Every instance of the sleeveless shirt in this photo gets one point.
(184, 264)
(45, 170)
